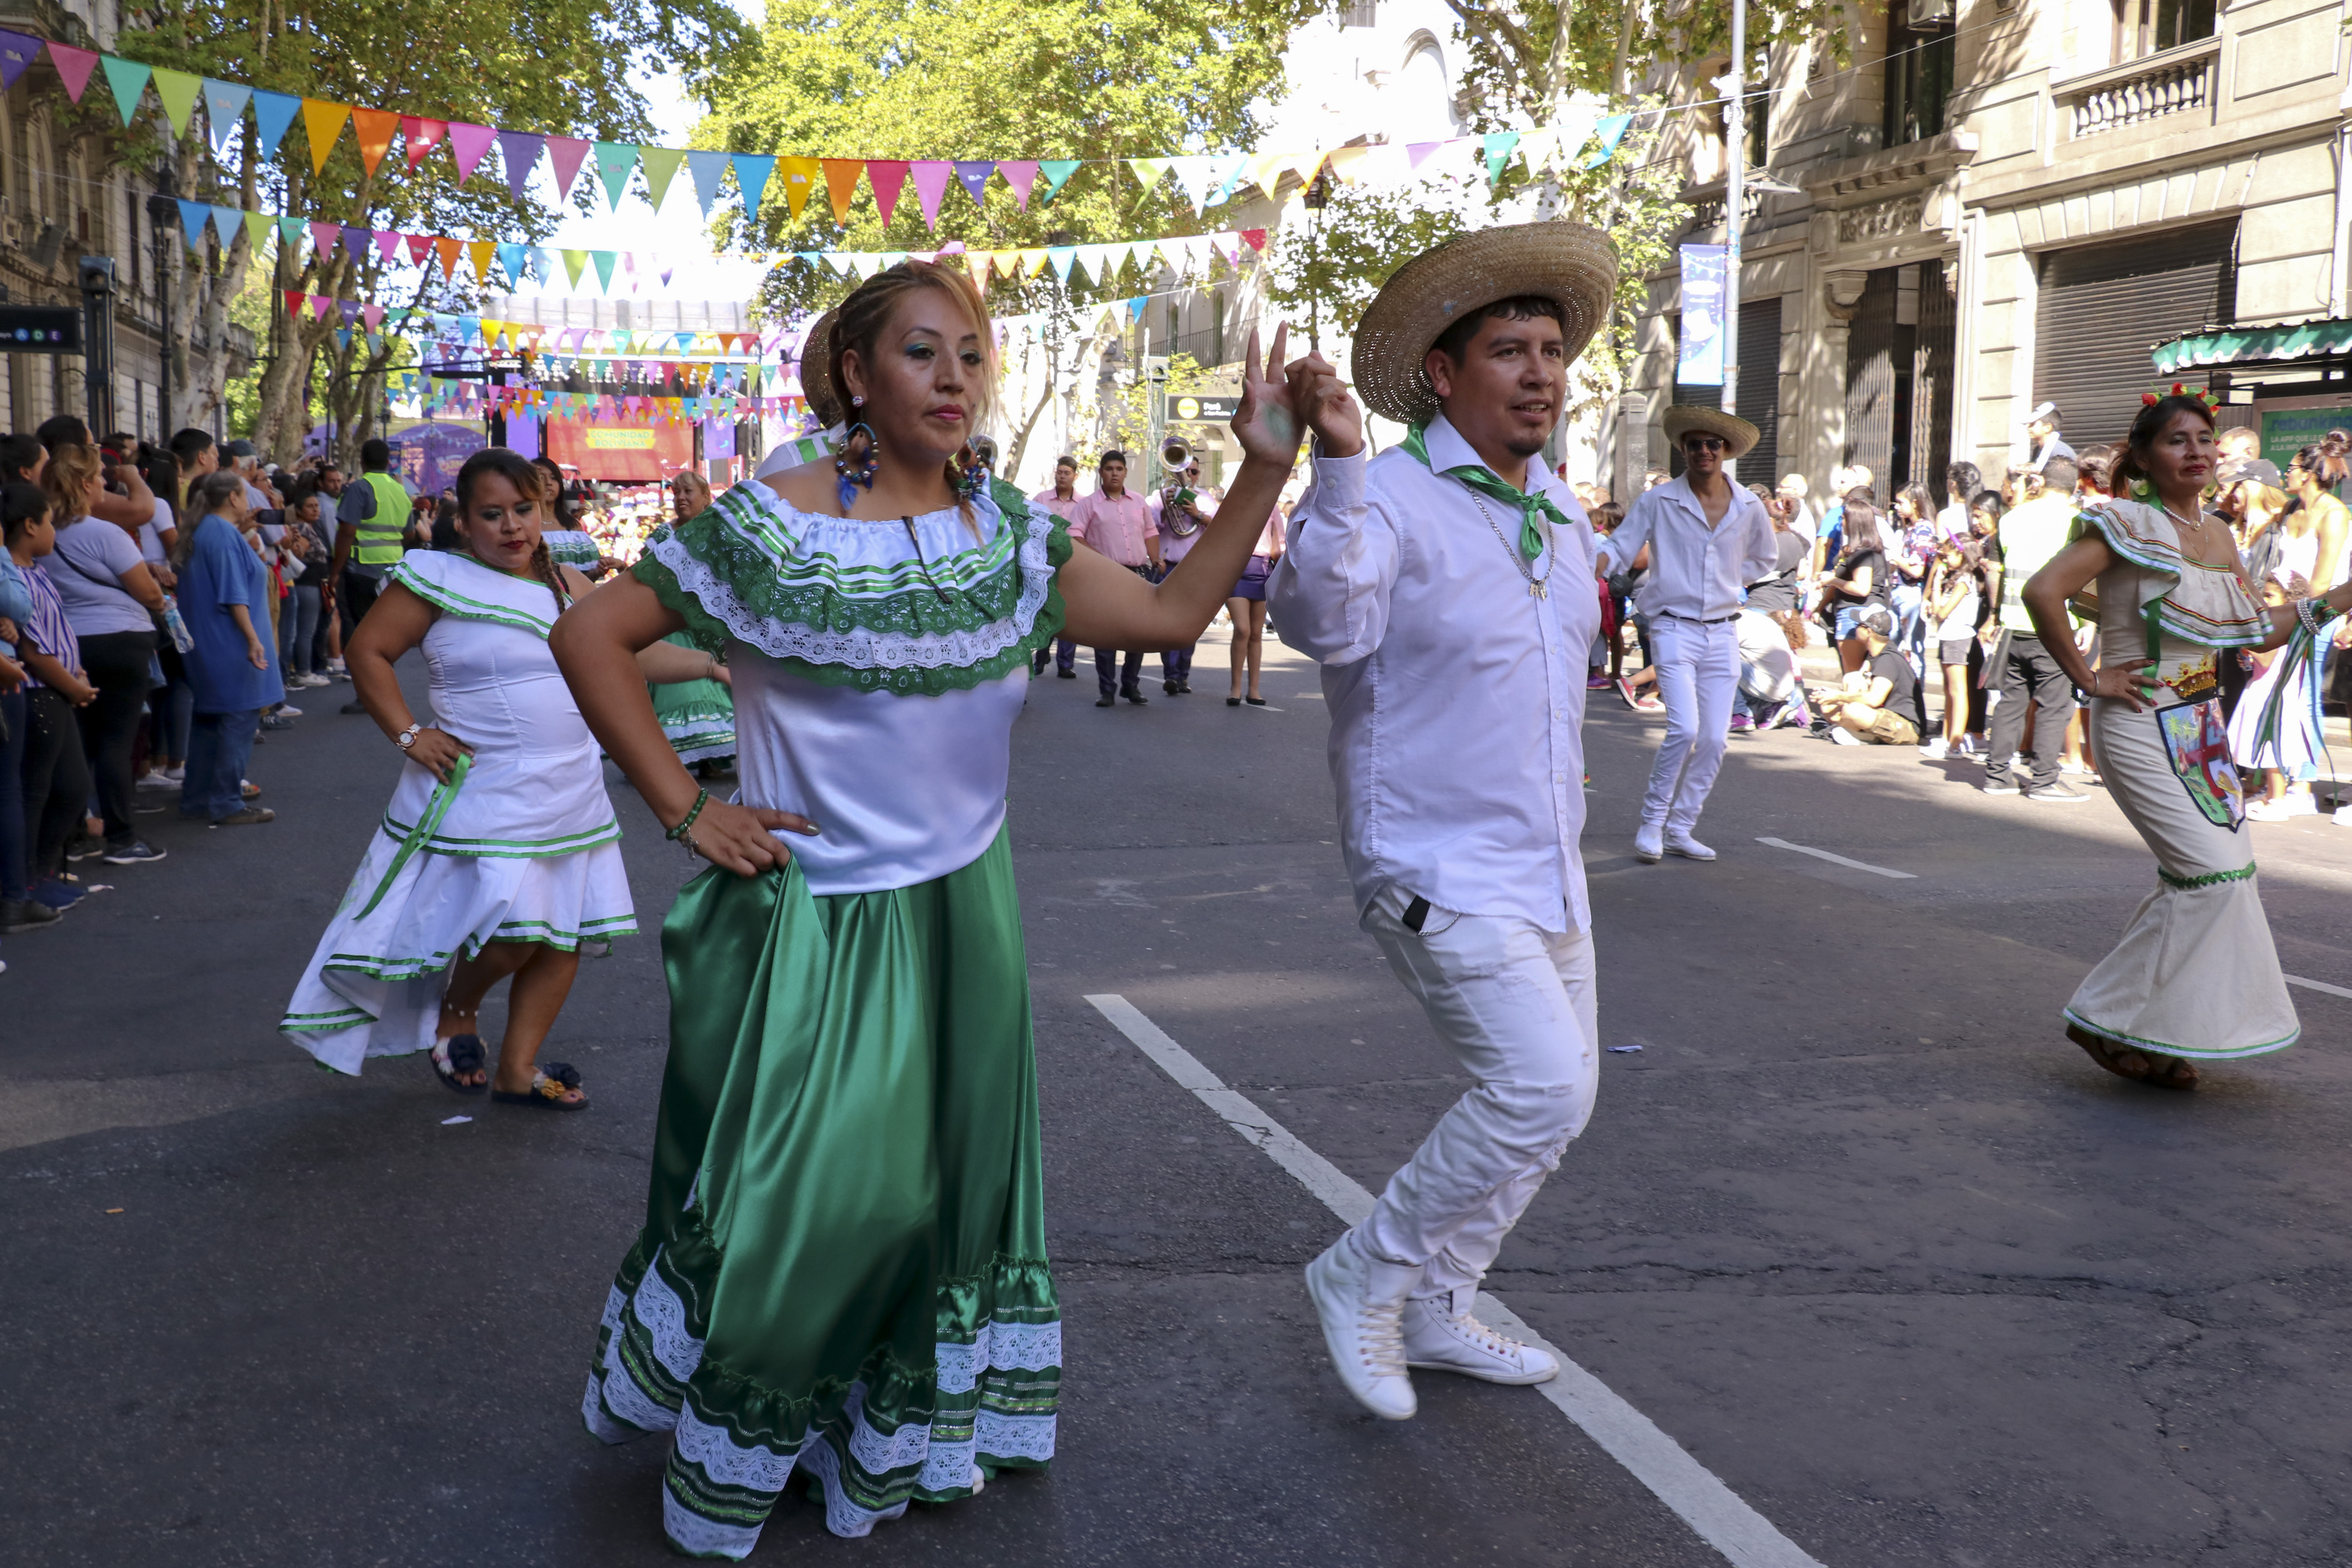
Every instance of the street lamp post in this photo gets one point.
(162, 212)
(1735, 171)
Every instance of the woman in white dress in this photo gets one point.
(2195, 977)
(842, 1271)
(500, 854)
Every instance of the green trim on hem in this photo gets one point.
(506, 849)
(379, 966)
(2119, 1037)
(2209, 879)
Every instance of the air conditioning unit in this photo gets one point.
(1927, 16)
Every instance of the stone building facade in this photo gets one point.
(2002, 202)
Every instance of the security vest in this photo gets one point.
(379, 537)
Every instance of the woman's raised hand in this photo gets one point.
(1279, 406)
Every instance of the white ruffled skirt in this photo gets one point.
(373, 985)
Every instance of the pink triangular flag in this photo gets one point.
(467, 143)
(373, 315)
(320, 306)
(888, 177)
(931, 177)
(565, 153)
(323, 237)
(387, 241)
(75, 66)
(1020, 177)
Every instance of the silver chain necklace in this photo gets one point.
(1538, 587)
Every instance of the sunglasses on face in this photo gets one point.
(1703, 442)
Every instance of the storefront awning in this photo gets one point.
(2254, 346)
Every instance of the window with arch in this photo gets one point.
(1426, 93)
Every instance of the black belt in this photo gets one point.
(1718, 621)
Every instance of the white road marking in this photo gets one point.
(1714, 1510)
(1840, 859)
(2317, 985)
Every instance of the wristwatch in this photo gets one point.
(407, 737)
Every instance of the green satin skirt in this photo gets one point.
(843, 1267)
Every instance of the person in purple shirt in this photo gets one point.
(224, 596)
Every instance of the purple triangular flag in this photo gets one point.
(972, 175)
(18, 53)
(519, 151)
(349, 308)
(355, 244)
(467, 143)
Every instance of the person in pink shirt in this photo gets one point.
(1119, 525)
(1061, 498)
(1179, 512)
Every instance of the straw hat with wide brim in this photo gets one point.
(1739, 436)
(1569, 262)
(816, 373)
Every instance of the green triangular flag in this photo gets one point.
(126, 80)
(177, 91)
(613, 162)
(604, 260)
(661, 166)
(573, 260)
(257, 230)
(1058, 173)
(1498, 153)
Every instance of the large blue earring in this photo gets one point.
(854, 463)
(971, 478)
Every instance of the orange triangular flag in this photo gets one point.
(374, 127)
(841, 183)
(446, 249)
(324, 122)
(481, 251)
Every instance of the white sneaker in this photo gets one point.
(1360, 1302)
(158, 780)
(288, 710)
(1650, 843)
(1937, 750)
(1689, 848)
(1439, 1339)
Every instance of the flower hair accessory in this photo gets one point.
(2204, 395)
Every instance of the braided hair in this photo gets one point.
(519, 472)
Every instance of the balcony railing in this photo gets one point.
(2178, 81)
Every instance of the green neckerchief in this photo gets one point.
(1483, 479)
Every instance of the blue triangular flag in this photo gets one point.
(225, 104)
(706, 169)
(751, 171)
(510, 257)
(1611, 130)
(272, 114)
(194, 216)
(226, 222)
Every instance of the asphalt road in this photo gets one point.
(1857, 1227)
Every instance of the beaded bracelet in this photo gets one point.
(2314, 612)
(686, 824)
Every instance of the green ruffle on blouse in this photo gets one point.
(897, 611)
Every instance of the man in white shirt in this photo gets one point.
(1709, 539)
(1446, 589)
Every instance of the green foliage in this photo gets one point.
(1008, 78)
(1127, 419)
(1533, 53)
(1326, 269)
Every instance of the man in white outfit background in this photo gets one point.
(1446, 587)
(1709, 539)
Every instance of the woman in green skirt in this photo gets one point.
(842, 1265)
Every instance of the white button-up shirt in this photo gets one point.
(1696, 573)
(1456, 696)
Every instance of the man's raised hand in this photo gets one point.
(1317, 397)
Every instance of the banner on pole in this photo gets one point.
(1700, 363)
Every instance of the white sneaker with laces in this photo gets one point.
(1689, 848)
(1439, 1339)
(1937, 750)
(1360, 1302)
(1650, 843)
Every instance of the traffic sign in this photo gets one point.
(41, 329)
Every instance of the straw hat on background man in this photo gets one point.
(1571, 263)
(1739, 437)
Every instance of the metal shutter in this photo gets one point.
(2104, 307)
(1759, 391)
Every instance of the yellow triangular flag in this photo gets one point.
(324, 122)
(481, 251)
(800, 179)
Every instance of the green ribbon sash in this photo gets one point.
(428, 823)
(1483, 479)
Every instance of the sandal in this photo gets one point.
(549, 1085)
(457, 1057)
(2140, 1066)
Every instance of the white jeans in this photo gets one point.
(1516, 1005)
(1699, 670)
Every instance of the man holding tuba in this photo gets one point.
(1178, 513)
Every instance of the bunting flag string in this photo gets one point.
(1201, 181)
